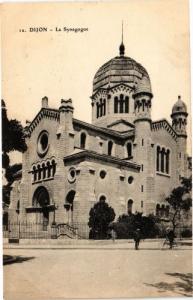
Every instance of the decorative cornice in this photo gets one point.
(48, 113)
(91, 155)
(106, 131)
(164, 124)
(108, 89)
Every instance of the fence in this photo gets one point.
(29, 230)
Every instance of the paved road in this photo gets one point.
(106, 273)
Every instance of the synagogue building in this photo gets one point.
(122, 157)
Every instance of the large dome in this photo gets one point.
(122, 69)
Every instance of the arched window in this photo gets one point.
(53, 168)
(110, 147)
(158, 159)
(121, 110)
(116, 105)
(167, 161)
(129, 206)
(44, 170)
(143, 104)
(129, 149)
(83, 140)
(162, 159)
(104, 107)
(48, 169)
(39, 172)
(162, 210)
(97, 105)
(69, 200)
(157, 210)
(126, 104)
(167, 211)
(100, 108)
(102, 198)
(34, 173)
(41, 197)
(69, 205)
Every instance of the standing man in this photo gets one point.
(137, 238)
(170, 236)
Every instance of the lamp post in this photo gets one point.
(54, 227)
(54, 216)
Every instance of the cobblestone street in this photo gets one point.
(114, 271)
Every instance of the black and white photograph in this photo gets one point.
(96, 150)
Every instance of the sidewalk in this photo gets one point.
(183, 244)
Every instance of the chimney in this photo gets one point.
(45, 102)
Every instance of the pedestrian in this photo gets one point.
(170, 236)
(113, 235)
(137, 238)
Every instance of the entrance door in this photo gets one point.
(41, 200)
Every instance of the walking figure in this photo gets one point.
(113, 235)
(170, 236)
(137, 238)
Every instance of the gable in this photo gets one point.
(121, 126)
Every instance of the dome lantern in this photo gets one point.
(122, 49)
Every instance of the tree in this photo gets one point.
(180, 200)
(100, 216)
(13, 139)
(126, 225)
(12, 134)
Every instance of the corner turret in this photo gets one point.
(179, 117)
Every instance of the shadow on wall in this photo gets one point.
(182, 285)
(9, 259)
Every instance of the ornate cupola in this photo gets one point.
(114, 85)
(179, 117)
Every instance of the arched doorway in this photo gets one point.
(129, 206)
(41, 202)
(68, 205)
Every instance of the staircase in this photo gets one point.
(66, 231)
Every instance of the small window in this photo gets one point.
(102, 198)
(110, 147)
(83, 140)
(129, 149)
(103, 174)
(142, 188)
(142, 142)
(130, 179)
(142, 167)
(116, 105)
(141, 204)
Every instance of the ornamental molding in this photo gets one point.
(164, 125)
(46, 113)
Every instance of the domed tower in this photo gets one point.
(179, 121)
(114, 85)
(179, 117)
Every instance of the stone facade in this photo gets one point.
(123, 155)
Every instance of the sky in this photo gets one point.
(62, 65)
